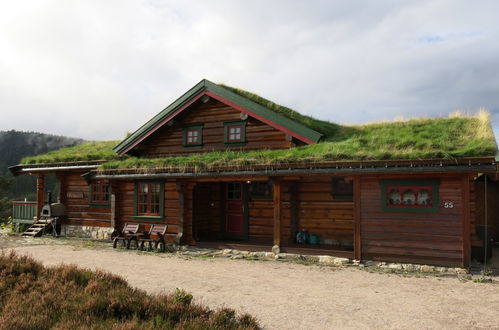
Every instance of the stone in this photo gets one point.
(238, 256)
(289, 256)
(427, 269)
(245, 253)
(460, 271)
(269, 255)
(340, 261)
(327, 260)
(395, 266)
(409, 267)
(441, 269)
(276, 249)
(226, 251)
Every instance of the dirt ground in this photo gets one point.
(285, 295)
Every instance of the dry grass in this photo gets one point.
(66, 297)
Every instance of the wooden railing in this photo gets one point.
(23, 210)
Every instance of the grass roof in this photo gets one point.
(331, 131)
(102, 150)
(445, 138)
(455, 137)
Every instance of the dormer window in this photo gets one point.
(193, 136)
(235, 133)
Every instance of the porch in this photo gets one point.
(259, 213)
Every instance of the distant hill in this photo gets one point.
(14, 145)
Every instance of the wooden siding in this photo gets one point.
(125, 190)
(319, 213)
(75, 196)
(433, 238)
(168, 139)
(492, 209)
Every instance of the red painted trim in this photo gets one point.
(225, 101)
(164, 121)
(260, 118)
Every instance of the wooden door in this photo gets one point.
(234, 211)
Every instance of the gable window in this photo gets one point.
(235, 133)
(99, 193)
(410, 195)
(193, 136)
(149, 199)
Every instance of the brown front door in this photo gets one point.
(234, 211)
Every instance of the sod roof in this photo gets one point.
(89, 151)
(275, 115)
(442, 138)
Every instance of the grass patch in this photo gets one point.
(328, 129)
(66, 297)
(445, 138)
(102, 150)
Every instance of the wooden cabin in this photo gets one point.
(223, 167)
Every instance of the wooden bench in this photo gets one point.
(156, 235)
(128, 234)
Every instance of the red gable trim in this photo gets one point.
(225, 101)
(164, 121)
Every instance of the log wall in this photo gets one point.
(124, 191)
(492, 209)
(75, 196)
(319, 213)
(433, 238)
(168, 139)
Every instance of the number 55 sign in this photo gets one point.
(448, 205)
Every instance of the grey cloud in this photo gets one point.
(98, 69)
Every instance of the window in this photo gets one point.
(260, 189)
(193, 136)
(342, 189)
(235, 133)
(410, 195)
(99, 193)
(149, 199)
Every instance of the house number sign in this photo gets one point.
(448, 205)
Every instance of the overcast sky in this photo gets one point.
(98, 69)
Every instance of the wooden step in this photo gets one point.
(37, 228)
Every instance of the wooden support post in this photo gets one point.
(61, 198)
(293, 201)
(113, 210)
(40, 194)
(188, 213)
(116, 205)
(357, 219)
(180, 205)
(466, 222)
(277, 212)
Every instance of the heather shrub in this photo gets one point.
(67, 297)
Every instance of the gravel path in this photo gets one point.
(293, 296)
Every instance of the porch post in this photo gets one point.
(180, 204)
(277, 212)
(357, 250)
(40, 194)
(466, 198)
